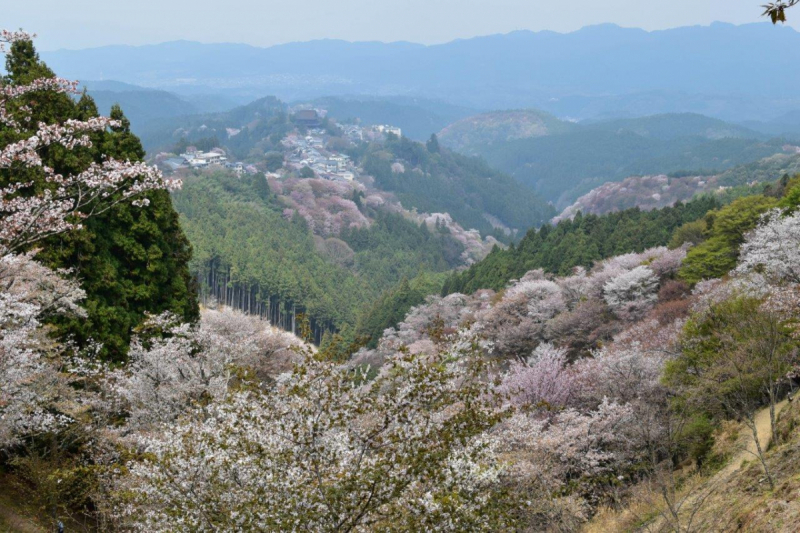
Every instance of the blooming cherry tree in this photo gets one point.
(543, 382)
(30, 294)
(184, 365)
(30, 217)
(321, 451)
(631, 293)
(773, 248)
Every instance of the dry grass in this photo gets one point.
(732, 499)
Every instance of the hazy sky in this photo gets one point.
(86, 23)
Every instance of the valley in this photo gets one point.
(530, 281)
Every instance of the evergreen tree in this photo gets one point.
(433, 144)
(129, 260)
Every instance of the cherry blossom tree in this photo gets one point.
(579, 448)
(773, 248)
(178, 366)
(542, 382)
(322, 451)
(30, 217)
(516, 323)
(28, 384)
(631, 293)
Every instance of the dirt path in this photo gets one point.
(747, 453)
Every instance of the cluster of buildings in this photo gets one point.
(356, 133)
(308, 151)
(301, 150)
(384, 129)
(194, 158)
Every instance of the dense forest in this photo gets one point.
(578, 242)
(433, 179)
(563, 161)
(246, 249)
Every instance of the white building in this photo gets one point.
(385, 128)
(346, 175)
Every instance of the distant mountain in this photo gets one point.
(721, 70)
(786, 124)
(417, 117)
(670, 126)
(238, 129)
(563, 161)
(471, 134)
(143, 105)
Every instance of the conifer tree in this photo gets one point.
(128, 260)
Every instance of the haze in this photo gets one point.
(89, 23)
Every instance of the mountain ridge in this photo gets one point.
(560, 73)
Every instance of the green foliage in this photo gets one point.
(763, 170)
(230, 224)
(393, 248)
(578, 242)
(130, 260)
(697, 438)
(394, 304)
(725, 230)
(433, 144)
(273, 160)
(729, 355)
(445, 182)
(236, 225)
(564, 166)
(776, 11)
(260, 185)
(692, 233)
(341, 345)
(791, 196)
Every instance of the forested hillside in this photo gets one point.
(568, 161)
(255, 253)
(261, 123)
(622, 372)
(578, 242)
(672, 126)
(434, 179)
(653, 192)
(472, 135)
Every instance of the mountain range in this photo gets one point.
(722, 70)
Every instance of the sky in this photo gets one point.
(78, 24)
